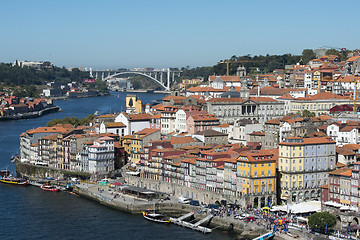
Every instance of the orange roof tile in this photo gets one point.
(345, 171)
(114, 124)
(316, 140)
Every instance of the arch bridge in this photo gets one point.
(163, 77)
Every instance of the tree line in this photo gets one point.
(19, 76)
(257, 64)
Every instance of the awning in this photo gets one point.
(133, 173)
(303, 207)
(345, 208)
(302, 219)
(355, 209)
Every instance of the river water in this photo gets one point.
(30, 213)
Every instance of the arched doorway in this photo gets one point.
(262, 202)
(312, 195)
(307, 195)
(293, 197)
(256, 202)
(300, 196)
(269, 202)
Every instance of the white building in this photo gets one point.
(117, 128)
(344, 132)
(180, 121)
(101, 155)
(239, 131)
(168, 116)
(134, 122)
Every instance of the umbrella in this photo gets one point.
(265, 208)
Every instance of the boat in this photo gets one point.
(156, 217)
(4, 173)
(14, 181)
(49, 188)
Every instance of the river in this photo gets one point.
(30, 213)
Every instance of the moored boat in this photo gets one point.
(4, 173)
(14, 181)
(49, 188)
(156, 217)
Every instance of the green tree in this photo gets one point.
(73, 121)
(321, 220)
(307, 55)
(333, 52)
(307, 113)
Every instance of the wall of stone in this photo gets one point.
(177, 190)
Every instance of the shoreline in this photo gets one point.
(29, 115)
(133, 205)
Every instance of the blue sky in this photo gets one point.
(158, 33)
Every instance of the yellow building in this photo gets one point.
(256, 176)
(137, 142)
(133, 104)
(126, 143)
(319, 103)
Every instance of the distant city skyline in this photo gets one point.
(114, 34)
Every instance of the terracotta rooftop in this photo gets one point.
(306, 141)
(345, 171)
(114, 124)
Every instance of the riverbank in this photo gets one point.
(79, 96)
(144, 91)
(34, 114)
(117, 200)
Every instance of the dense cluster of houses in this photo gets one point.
(12, 105)
(244, 138)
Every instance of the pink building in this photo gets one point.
(200, 122)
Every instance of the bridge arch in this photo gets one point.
(138, 73)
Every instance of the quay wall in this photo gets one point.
(177, 190)
(173, 209)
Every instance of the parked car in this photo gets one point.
(242, 216)
(213, 206)
(194, 203)
(250, 219)
(184, 200)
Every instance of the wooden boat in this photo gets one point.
(49, 188)
(14, 181)
(156, 217)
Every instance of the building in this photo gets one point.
(258, 109)
(211, 137)
(240, 130)
(320, 103)
(200, 122)
(256, 177)
(303, 165)
(141, 139)
(101, 156)
(134, 105)
(117, 128)
(134, 122)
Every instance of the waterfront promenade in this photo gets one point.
(223, 220)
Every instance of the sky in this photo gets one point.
(113, 34)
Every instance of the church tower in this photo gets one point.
(244, 91)
(241, 72)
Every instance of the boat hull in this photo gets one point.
(147, 217)
(50, 189)
(14, 182)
